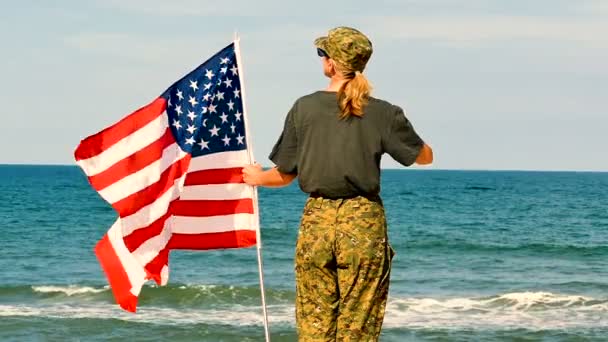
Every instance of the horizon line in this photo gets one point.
(386, 168)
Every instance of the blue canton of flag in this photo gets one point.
(205, 107)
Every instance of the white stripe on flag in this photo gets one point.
(152, 212)
(221, 160)
(143, 178)
(212, 224)
(148, 250)
(134, 270)
(125, 147)
(164, 275)
(229, 191)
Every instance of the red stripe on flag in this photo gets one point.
(133, 203)
(101, 141)
(155, 267)
(133, 163)
(202, 208)
(215, 176)
(141, 235)
(231, 239)
(116, 274)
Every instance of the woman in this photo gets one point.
(332, 141)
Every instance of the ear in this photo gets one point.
(332, 66)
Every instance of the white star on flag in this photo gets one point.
(237, 93)
(191, 115)
(230, 105)
(180, 95)
(191, 129)
(226, 140)
(194, 85)
(228, 83)
(209, 74)
(190, 141)
(225, 60)
(176, 124)
(178, 110)
(212, 108)
(234, 70)
(214, 131)
(204, 144)
(192, 101)
(224, 117)
(238, 116)
(239, 139)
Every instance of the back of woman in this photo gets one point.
(343, 152)
(333, 141)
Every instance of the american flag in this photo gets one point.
(172, 172)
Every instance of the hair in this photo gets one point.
(354, 94)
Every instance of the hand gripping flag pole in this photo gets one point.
(237, 49)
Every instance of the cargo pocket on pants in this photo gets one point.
(390, 254)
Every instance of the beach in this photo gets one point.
(481, 256)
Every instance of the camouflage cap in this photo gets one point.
(347, 46)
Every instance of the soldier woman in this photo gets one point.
(332, 141)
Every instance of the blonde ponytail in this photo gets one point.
(354, 95)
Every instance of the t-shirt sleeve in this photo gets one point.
(401, 140)
(284, 152)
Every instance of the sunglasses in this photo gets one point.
(322, 53)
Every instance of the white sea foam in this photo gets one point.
(69, 290)
(529, 310)
(534, 310)
(236, 315)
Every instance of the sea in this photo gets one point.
(481, 256)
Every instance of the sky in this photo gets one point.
(489, 84)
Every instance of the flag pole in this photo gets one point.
(237, 51)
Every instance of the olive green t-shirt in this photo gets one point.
(336, 157)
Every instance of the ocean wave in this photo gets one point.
(229, 294)
(534, 300)
(69, 290)
(182, 295)
(479, 188)
(533, 248)
(236, 315)
(514, 301)
(537, 310)
(528, 310)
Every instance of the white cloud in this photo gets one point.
(144, 48)
(261, 43)
(594, 6)
(479, 29)
(193, 7)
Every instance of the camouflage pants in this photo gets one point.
(342, 268)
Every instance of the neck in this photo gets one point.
(335, 83)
